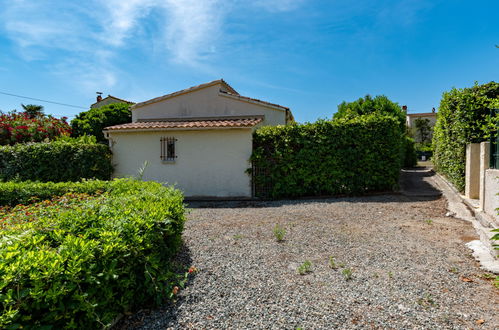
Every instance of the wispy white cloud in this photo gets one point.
(193, 29)
(187, 30)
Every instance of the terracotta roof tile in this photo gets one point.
(211, 123)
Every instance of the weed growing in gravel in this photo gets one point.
(491, 277)
(304, 268)
(341, 265)
(429, 221)
(279, 232)
(238, 236)
(390, 275)
(347, 273)
(332, 263)
(454, 270)
(427, 301)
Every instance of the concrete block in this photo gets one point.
(484, 165)
(491, 189)
(472, 189)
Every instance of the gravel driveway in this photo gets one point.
(409, 268)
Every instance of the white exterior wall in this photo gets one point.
(210, 163)
(208, 102)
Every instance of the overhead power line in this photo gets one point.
(40, 100)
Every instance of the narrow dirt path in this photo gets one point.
(399, 262)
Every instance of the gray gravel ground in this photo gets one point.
(410, 268)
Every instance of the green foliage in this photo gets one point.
(344, 156)
(347, 274)
(79, 264)
(279, 232)
(33, 110)
(63, 160)
(332, 263)
(304, 268)
(463, 117)
(380, 105)
(25, 192)
(423, 129)
(93, 121)
(410, 157)
(495, 238)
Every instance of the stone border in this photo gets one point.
(462, 208)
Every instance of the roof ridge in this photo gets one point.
(184, 91)
(114, 97)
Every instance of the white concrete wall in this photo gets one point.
(207, 102)
(491, 202)
(209, 163)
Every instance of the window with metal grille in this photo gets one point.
(168, 149)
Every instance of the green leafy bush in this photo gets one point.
(367, 105)
(80, 264)
(410, 156)
(62, 160)
(93, 121)
(25, 192)
(463, 117)
(344, 156)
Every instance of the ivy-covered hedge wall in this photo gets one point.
(79, 261)
(344, 156)
(464, 116)
(62, 160)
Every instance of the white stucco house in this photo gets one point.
(199, 139)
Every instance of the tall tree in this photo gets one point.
(33, 110)
(93, 121)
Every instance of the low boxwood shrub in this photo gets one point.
(79, 261)
(25, 192)
(464, 116)
(61, 160)
(344, 156)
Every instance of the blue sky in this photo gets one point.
(304, 54)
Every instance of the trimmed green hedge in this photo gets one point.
(25, 192)
(80, 261)
(463, 117)
(344, 156)
(57, 161)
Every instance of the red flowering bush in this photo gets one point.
(18, 127)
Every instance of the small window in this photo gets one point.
(168, 149)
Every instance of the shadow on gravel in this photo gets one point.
(166, 315)
(415, 185)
